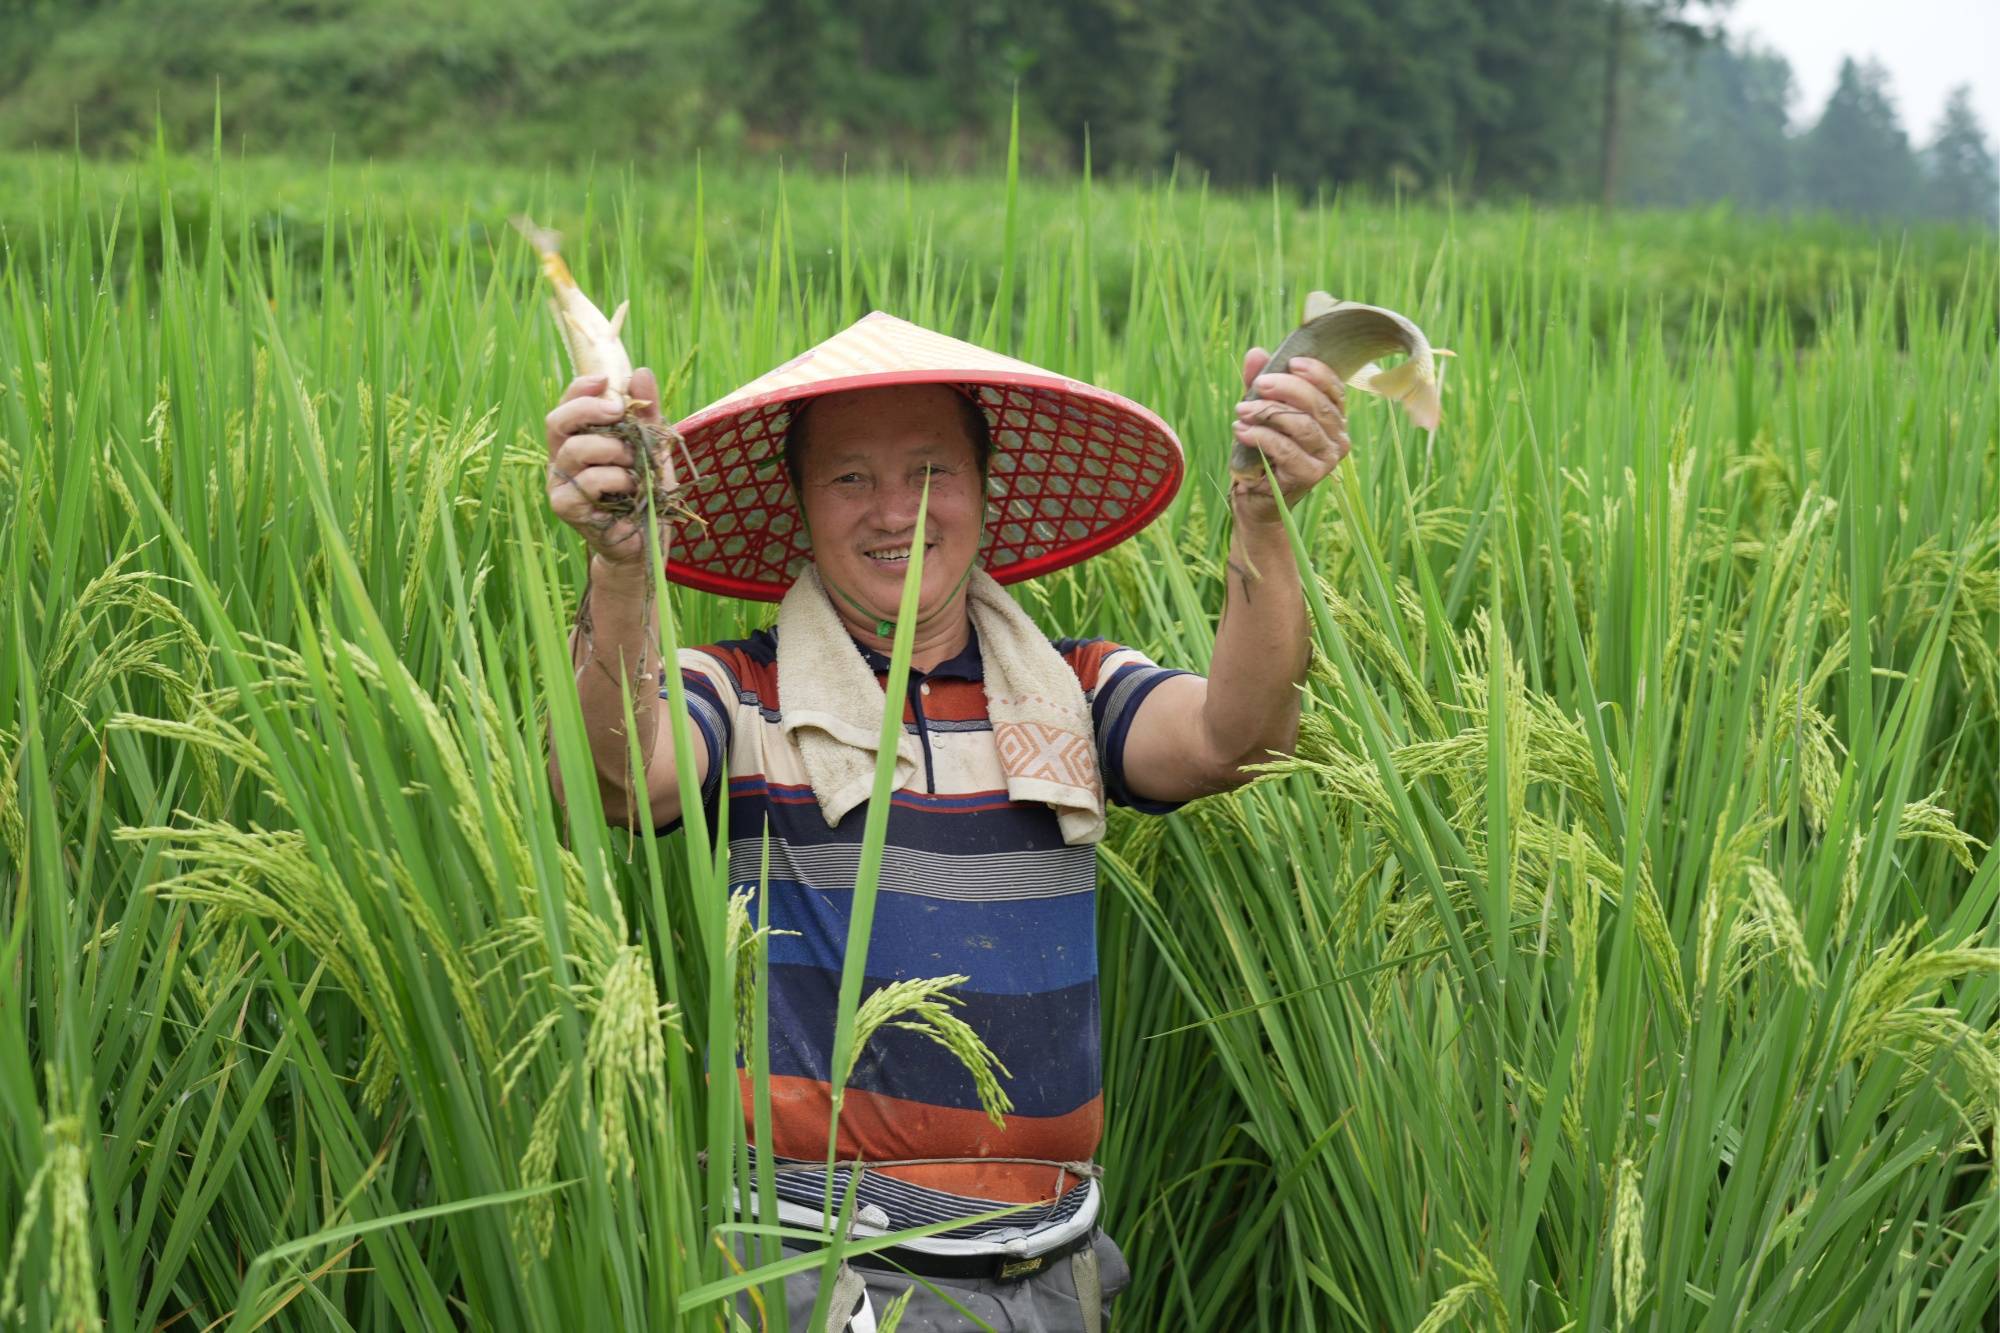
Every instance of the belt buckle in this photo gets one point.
(1022, 1267)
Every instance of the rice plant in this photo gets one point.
(1618, 949)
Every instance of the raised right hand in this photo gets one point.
(586, 470)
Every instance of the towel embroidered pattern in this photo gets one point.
(1046, 754)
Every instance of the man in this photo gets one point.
(813, 475)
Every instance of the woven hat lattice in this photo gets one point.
(1075, 469)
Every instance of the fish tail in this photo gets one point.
(546, 241)
(1409, 384)
(1423, 405)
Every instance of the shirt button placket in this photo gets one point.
(918, 691)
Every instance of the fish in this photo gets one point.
(592, 340)
(595, 348)
(1352, 338)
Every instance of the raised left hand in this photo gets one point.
(1299, 422)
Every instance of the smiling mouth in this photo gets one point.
(894, 557)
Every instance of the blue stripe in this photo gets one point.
(761, 647)
(1049, 1041)
(916, 819)
(1006, 947)
(711, 719)
(1113, 727)
(705, 707)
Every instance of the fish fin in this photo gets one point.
(1423, 406)
(1442, 351)
(1408, 384)
(618, 317)
(1364, 378)
(564, 332)
(575, 336)
(1317, 304)
(1395, 384)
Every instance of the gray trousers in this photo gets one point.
(1044, 1302)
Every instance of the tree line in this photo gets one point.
(1627, 101)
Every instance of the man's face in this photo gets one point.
(868, 454)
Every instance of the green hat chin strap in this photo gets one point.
(885, 629)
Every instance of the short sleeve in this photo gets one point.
(711, 705)
(1116, 680)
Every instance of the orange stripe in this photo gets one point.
(1087, 660)
(759, 678)
(953, 701)
(878, 1128)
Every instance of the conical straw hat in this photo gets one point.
(1075, 469)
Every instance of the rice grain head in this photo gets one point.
(626, 1054)
(1628, 1242)
(59, 1188)
(1927, 819)
(918, 1005)
(1889, 1014)
(743, 945)
(1480, 1284)
(534, 1220)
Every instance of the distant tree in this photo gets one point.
(798, 58)
(907, 70)
(1960, 181)
(918, 79)
(1525, 121)
(1716, 130)
(1757, 91)
(1627, 22)
(1106, 67)
(1340, 90)
(1413, 73)
(1857, 158)
(1262, 95)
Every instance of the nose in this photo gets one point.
(896, 505)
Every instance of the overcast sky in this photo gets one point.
(1927, 45)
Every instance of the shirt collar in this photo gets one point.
(966, 665)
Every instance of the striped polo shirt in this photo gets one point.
(971, 883)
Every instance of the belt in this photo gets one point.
(991, 1267)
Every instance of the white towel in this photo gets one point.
(832, 706)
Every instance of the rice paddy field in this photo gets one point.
(1619, 949)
